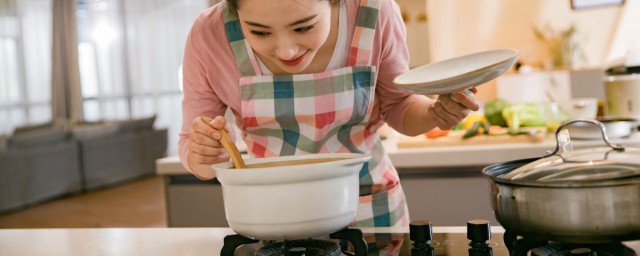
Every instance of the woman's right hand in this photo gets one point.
(204, 142)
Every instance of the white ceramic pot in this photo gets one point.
(291, 202)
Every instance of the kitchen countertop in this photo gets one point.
(134, 241)
(186, 241)
(444, 157)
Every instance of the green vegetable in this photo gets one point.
(485, 127)
(524, 114)
(493, 112)
(473, 131)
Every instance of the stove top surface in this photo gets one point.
(449, 243)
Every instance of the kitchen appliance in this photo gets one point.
(292, 201)
(582, 196)
(622, 90)
(615, 128)
(478, 239)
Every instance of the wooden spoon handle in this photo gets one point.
(229, 145)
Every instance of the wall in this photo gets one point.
(458, 27)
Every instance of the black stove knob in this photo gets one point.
(420, 231)
(478, 231)
(581, 252)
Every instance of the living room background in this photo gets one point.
(129, 56)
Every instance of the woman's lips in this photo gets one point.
(295, 61)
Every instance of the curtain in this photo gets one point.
(130, 59)
(66, 97)
(25, 63)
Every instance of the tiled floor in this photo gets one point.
(136, 204)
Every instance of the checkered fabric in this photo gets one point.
(323, 112)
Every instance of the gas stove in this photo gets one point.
(479, 239)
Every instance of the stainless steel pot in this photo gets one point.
(573, 210)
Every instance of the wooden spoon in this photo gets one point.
(229, 145)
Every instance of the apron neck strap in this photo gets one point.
(362, 43)
(245, 60)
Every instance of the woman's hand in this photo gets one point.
(447, 113)
(204, 143)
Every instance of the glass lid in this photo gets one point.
(593, 164)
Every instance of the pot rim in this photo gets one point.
(290, 174)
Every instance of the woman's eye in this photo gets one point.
(304, 29)
(260, 33)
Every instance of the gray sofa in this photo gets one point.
(32, 172)
(40, 163)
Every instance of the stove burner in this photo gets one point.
(520, 246)
(310, 247)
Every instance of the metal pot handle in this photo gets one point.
(591, 121)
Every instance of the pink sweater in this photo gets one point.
(211, 78)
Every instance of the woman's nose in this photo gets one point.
(286, 50)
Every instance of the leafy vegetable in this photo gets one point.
(524, 114)
(493, 111)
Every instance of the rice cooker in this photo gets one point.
(622, 91)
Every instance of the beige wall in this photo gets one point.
(462, 26)
(458, 27)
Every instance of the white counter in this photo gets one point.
(129, 241)
(447, 156)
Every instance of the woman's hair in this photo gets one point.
(233, 4)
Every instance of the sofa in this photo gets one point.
(42, 162)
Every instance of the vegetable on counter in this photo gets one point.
(436, 132)
(524, 114)
(493, 111)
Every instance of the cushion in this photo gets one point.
(38, 137)
(86, 131)
(28, 128)
(137, 124)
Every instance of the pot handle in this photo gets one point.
(591, 121)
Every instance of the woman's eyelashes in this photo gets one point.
(264, 33)
(304, 29)
(260, 33)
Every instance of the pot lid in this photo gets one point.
(593, 164)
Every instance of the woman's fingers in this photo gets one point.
(466, 100)
(203, 159)
(204, 140)
(443, 119)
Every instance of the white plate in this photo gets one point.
(457, 74)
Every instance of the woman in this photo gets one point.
(303, 77)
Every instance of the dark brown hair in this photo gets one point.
(233, 4)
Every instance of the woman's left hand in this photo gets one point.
(447, 113)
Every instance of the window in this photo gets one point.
(130, 53)
(25, 63)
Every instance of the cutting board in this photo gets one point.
(422, 141)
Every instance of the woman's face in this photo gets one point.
(287, 33)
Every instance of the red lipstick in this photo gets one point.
(295, 61)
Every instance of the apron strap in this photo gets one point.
(245, 60)
(360, 51)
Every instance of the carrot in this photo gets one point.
(436, 132)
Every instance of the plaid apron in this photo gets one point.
(323, 112)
